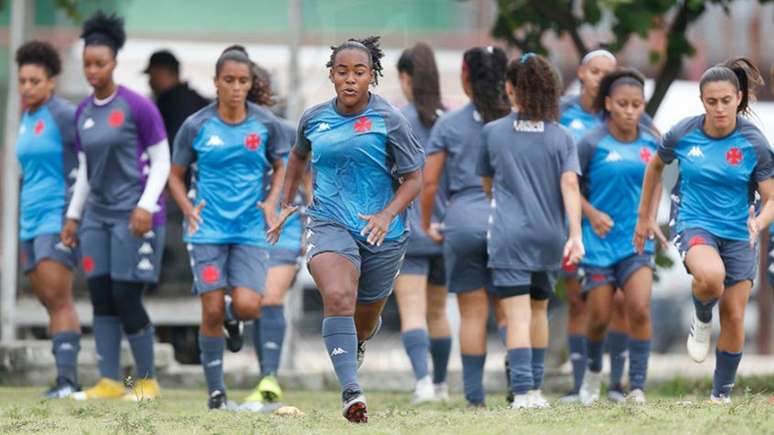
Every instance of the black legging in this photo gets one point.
(119, 298)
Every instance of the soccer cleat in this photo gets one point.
(589, 391)
(571, 397)
(61, 389)
(616, 394)
(104, 389)
(269, 389)
(233, 330)
(354, 407)
(143, 389)
(538, 401)
(218, 400)
(361, 344)
(636, 397)
(720, 400)
(522, 401)
(441, 392)
(509, 395)
(698, 343)
(424, 391)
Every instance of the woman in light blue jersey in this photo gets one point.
(613, 158)
(45, 148)
(367, 167)
(724, 160)
(420, 290)
(234, 145)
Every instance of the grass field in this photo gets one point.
(184, 412)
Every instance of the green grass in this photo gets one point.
(184, 412)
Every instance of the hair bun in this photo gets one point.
(100, 26)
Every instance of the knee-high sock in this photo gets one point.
(272, 336)
(212, 361)
(440, 349)
(538, 366)
(726, 364)
(340, 338)
(473, 378)
(639, 353)
(417, 343)
(520, 361)
(107, 338)
(142, 344)
(595, 352)
(65, 347)
(577, 345)
(617, 345)
(704, 309)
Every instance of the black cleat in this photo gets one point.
(233, 330)
(218, 400)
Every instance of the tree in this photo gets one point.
(523, 23)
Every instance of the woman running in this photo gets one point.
(420, 290)
(724, 160)
(580, 116)
(233, 144)
(613, 158)
(123, 167)
(45, 148)
(529, 169)
(455, 143)
(367, 167)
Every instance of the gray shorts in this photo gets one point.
(219, 266)
(430, 266)
(47, 247)
(111, 249)
(617, 274)
(517, 282)
(465, 258)
(739, 259)
(283, 257)
(378, 265)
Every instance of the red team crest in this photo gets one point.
(363, 125)
(210, 274)
(39, 126)
(734, 156)
(252, 141)
(88, 264)
(645, 155)
(116, 118)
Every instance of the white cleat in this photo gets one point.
(589, 391)
(699, 337)
(424, 391)
(441, 392)
(720, 400)
(522, 401)
(636, 397)
(538, 401)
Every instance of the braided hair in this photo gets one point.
(369, 45)
(486, 71)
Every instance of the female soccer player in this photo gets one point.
(580, 116)
(45, 148)
(613, 158)
(234, 144)
(367, 168)
(420, 290)
(529, 168)
(455, 143)
(724, 159)
(123, 168)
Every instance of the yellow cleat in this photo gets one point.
(269, 389)
(255, 397)
(143, 389)
(105, 389)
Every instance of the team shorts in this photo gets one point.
(112, 249)
(616, 274)
(465, 259)
(430, 266)
(283, 257)
(739, 259)
(47, 247)
(516, 282)
(219, 266)
(378, 265)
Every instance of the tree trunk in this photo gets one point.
(673, 64)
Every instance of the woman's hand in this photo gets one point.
(648, 229)
(69, 233)
(269, 209)
(754, 226)
(275, 229)
(434, 233)
(140, 222)
(377, 226)
(573, 250)
(600, 222)
(194, 218)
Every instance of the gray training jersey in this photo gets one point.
(526, 160)
(115, 137)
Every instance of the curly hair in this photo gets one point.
(537, 87)
(486, 73)
(261, 93)
(369, 45)
(419, 63)
(740, 72)
(39, 53)
(103, 29)
(606, 85)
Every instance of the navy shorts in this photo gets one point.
(378, 265)
(219, 266)
(517, 282)
(283, 257)
(112, 249)
(739, 259)
(430, 266)
(47, 247)
(616, 274)
(465, 258)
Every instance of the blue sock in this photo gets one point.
(141, 344)
(520, 361)
(502, 332)
(107, 338)
(212, 361)
(617, 345)
(417, 344)
(725, 372)
(65, 347)
(538, 366)
(595, 351)
(340, 339)
(473, 378)
(257, 342)
(704, 309)
(440, 349)
(272, 336)
(639, 352)
(577, 346)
